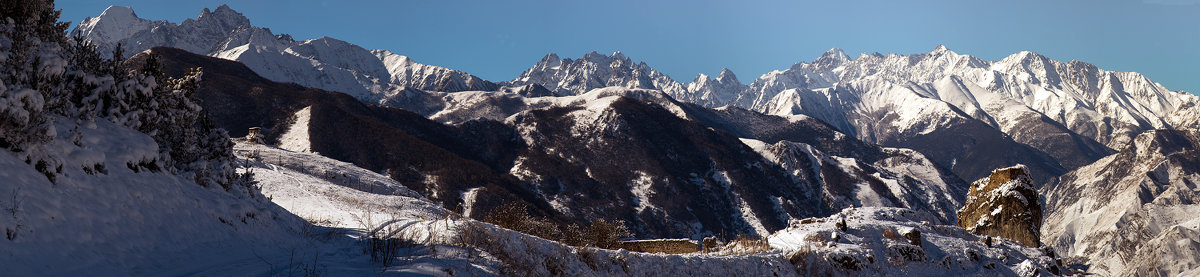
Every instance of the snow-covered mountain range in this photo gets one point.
(605, 136)
(1106, 106)
(1081, 111)
(1071, 112)
(324, 62)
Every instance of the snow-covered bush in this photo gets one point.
(44, 76)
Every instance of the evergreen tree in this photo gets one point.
(31, 67)
(44, 75)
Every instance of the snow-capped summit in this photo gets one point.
(223, 16)
(705, 90)
(594, 70)
(324, 63)
(618, 55)
(727, 76)
(941, 48)
(114, 24)
(832, 58)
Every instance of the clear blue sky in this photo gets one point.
(497, 40)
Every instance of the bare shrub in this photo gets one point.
(802, 259)
(12, 208)
(815, 238)
(515, 216)
(383, 240)
(600, 233)
(899, 254)
(744, 245)
(891, 233)
(588, 256)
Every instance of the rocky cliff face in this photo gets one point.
(1004, 204)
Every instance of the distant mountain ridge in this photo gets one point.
(1103, 106)
(1071, 112)
(327, 63)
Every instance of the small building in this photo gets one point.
(255, 135)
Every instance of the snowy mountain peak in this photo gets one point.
(1025, 57)
(594, 70)
(618, 55)
(836, 54)
(833, 58)
(593, 55)
(551, 57)
(114, 23)
(115, 11)
(727, 77)
(940, 48)
(225, 16)
(224, 8)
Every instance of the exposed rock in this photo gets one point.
(529, 90)
(913, 235)
(1004, 204)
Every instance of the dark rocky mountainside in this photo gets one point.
(637, 156)
(409, 147)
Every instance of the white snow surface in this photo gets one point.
(873, 242)
(118, 222)
(296, 138)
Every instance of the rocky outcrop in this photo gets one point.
(1004, 204)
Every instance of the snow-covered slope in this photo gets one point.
(336, 194)
(875, 240)
(1131, 213)
(902, 115)
(324, 63)
(296, 138)
(105, 215)
(905, 180)
(902, 242)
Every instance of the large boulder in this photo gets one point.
(1004, 204)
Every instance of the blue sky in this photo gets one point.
(497, 40)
